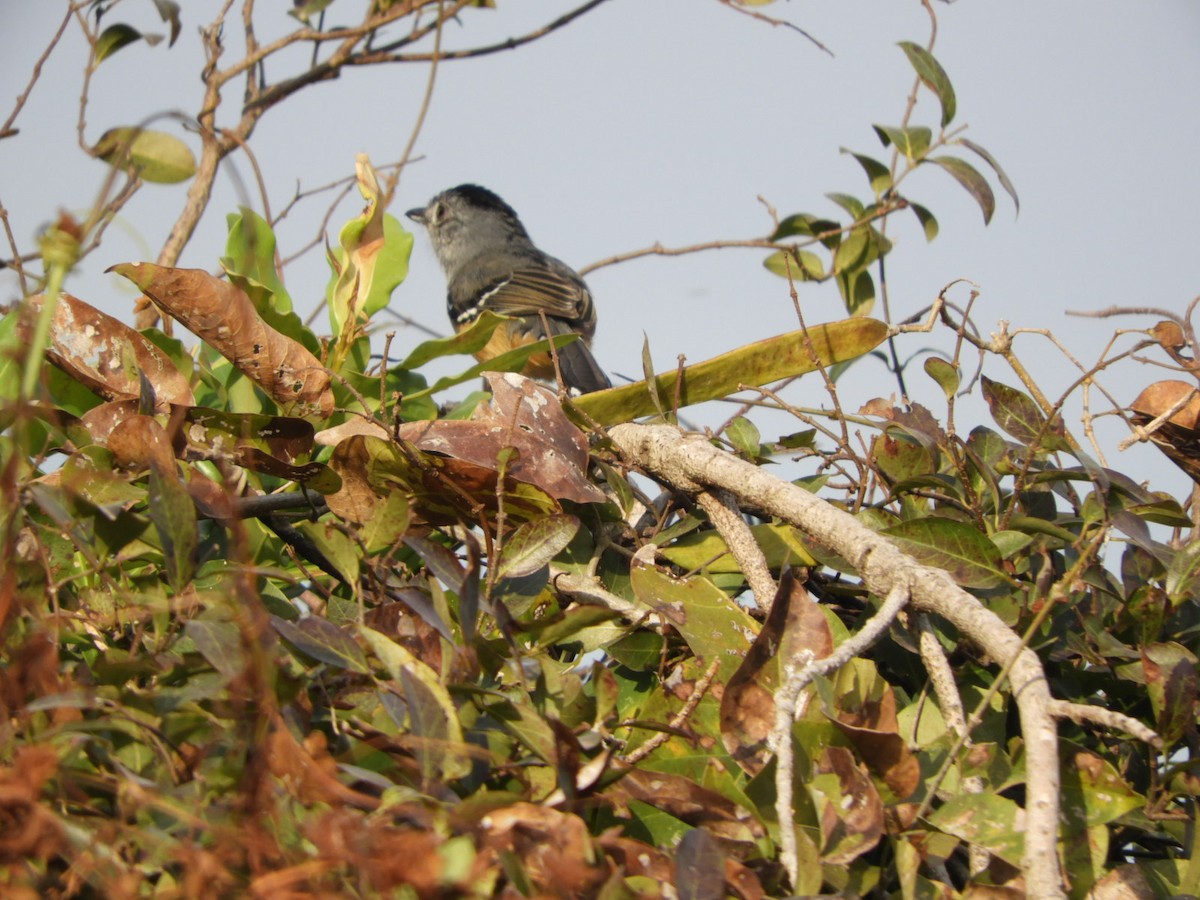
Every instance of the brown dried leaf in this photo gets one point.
(1127, 882)
(317, 476)
(30, 830)
(224, 317)
(874, 731)
(398, 622)
(106, 356)
(139, 442)
(1162, 395)
(1179, 436)
(1169, 335)
(440, 490)
(357, 499)
(795, 623)
(554, 848)
(388, 856)
(699, 867)
(525, 416)
(852, 822)
(308, 771)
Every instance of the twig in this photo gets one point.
(774, 23)
(394, 177)
(1083, 713)
(6, 130)
(582, 589)
(678, 720)
(722, 510)
(885, 208)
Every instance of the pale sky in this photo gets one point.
(663, 122)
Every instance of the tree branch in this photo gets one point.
(690, 462)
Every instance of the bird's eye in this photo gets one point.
(437, 213)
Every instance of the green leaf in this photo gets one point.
(754, 364)
(968, 176)
(653, 394)
(466, 341)
(534, 544)
(1093, 792)
(1001, 175)
(780, 544)
(220, 643)
(928, 223)
(713, 625)
(1019, 416)
(434, 715)
(803, 223)
(323, 641)
(744, 436)
(168, 11)
(934, 77)
(961, 550)
(857, 288)
(985, 819)
(945, 374)
(569, 624)
(877, 173)
(783, 263)
(912, 141)
(1183, 573)
(853, 252)
(308, 10)
(512, 361)
(174, 517)
(114, 37)
(250, 254)
(158, 157)
(387, 524)
(849, 203)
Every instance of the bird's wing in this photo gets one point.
(533, 289)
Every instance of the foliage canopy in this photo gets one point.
(275, 623)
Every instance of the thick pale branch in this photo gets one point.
(692, 463)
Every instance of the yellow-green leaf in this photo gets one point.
(755, 364)
(157, 156)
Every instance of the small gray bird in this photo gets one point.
(491, 263)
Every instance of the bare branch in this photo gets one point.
(774, 23)
(7, 130)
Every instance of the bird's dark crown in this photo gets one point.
(482, 198)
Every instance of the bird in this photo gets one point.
(491, 263)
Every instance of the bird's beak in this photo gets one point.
(417, 215)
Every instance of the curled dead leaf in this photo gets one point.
(795, 623)
(224, 316)
(107, 356)
(874, 731)
(1179, 436)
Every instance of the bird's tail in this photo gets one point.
(580, 371)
